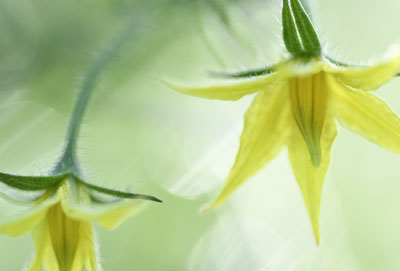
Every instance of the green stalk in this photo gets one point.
(68, 162)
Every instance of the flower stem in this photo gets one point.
(68, 162)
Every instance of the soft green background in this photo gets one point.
(142, 136)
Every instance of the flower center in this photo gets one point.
(308, 97)
(64, 235)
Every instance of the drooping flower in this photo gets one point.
(61, 222)
(296, 104)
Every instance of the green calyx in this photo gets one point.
(244, 74)
(299, 34)
(116, 193)
(36, 183)
(31, 183)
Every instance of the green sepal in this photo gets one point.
(346, 65)
(117, 193)
(307, 33)
(243, 74)
(299, 34)
(341, 63)
(337, 63)
(98, 200)
(290, 36)
(31, 183)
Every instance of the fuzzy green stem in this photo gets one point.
(68, 161)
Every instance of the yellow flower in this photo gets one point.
(296, 106)
(61, 225)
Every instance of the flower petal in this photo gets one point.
(112, 215)
(108, 215)
(369, 78)
(232, 91)
(77, 205)
(45, 256)
(53, 250)
(85, 257)
(24, 224)
(309, 178)
(367, 115)
(264, 133)
(308, 96)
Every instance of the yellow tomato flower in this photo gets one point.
(296, 106)
(61, 225)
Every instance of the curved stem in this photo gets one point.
(68, 161)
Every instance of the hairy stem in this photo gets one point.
(68, 161)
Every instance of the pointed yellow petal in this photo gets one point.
(45, 258)
(308, 97)
(63, 242)
(370, 78)
(264, 133)
(24, 224)
(85, 257)
(309, 178)
(232, 91)
(64, 235)
(111, 216)
(108, 215)
(367, 115)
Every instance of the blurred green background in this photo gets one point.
(142, 136)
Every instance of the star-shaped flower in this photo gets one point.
(296, 105)
(60, 220)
